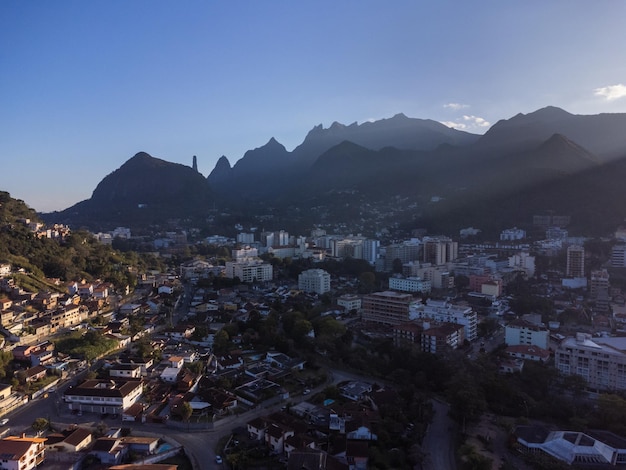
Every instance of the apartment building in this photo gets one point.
(600, 361)
(444, 311)
(314, 280)
(388, 308)
(409, 284)
(104, 396)
(575, 261)
(249, 271)
(523, 332)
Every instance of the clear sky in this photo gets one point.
(84, 85)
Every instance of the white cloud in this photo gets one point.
(455, 106)
(476, 121)
(468, 123)
(455, 125)
(611, 92)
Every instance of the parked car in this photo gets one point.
(218, 459)
(4, 421)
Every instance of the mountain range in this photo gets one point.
(418, 160)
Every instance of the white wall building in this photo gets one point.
(523, 332)
(314, 280)
(409, 284)
(512, 234)
(600, 361)
(443, 311)
(350, 302)
(249, 271)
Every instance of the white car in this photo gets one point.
(218, 459)
(3, 421)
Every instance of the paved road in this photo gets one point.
(438, 444)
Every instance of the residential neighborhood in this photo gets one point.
(191, 347)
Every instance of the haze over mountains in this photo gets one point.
(420, 160)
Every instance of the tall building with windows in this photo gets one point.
(439, 250)
(314, 280)
(387, 308)
(575, 261)
(600, 361)
(618, 256)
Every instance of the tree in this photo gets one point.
(40, 425)
(185, 411)
(220, 342)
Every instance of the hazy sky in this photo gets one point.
(84, 85)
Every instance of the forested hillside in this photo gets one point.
(76, 257)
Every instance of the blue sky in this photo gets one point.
(86, 85)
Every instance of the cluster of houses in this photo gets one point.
(338, 432)
(72, 446)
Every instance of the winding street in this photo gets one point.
(438, 444)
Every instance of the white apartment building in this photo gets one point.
(245, 238)
(618, 256)
(349, 302)
(524, 262)
(523, 332)
(249, 271)
(440, 277)
(314, 280)
(443, 311)
(512, 234)
(600, 361)
(245, 253)
(409, 284)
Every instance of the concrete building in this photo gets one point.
(512, 234)
(523, 261)
(600, 361)
(575, 261)
(314, 280)
(350, 302)
(409, 250)
(388, 308)
(439, 250)
(443, 311)
(441, 338)
(618, 256)
(599, 283)
(409, 284)
(104, 396)
(523, 332)
(249, 271)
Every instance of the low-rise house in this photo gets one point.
(142, 445)
(355, 391)
(128, 371)
(170, 374)
(275, 437)
(256, 429)
(284, 362)
(526, 352)
(70, 440)
(298, 442)
(133, 413)
(34, 374)
(109, 450)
